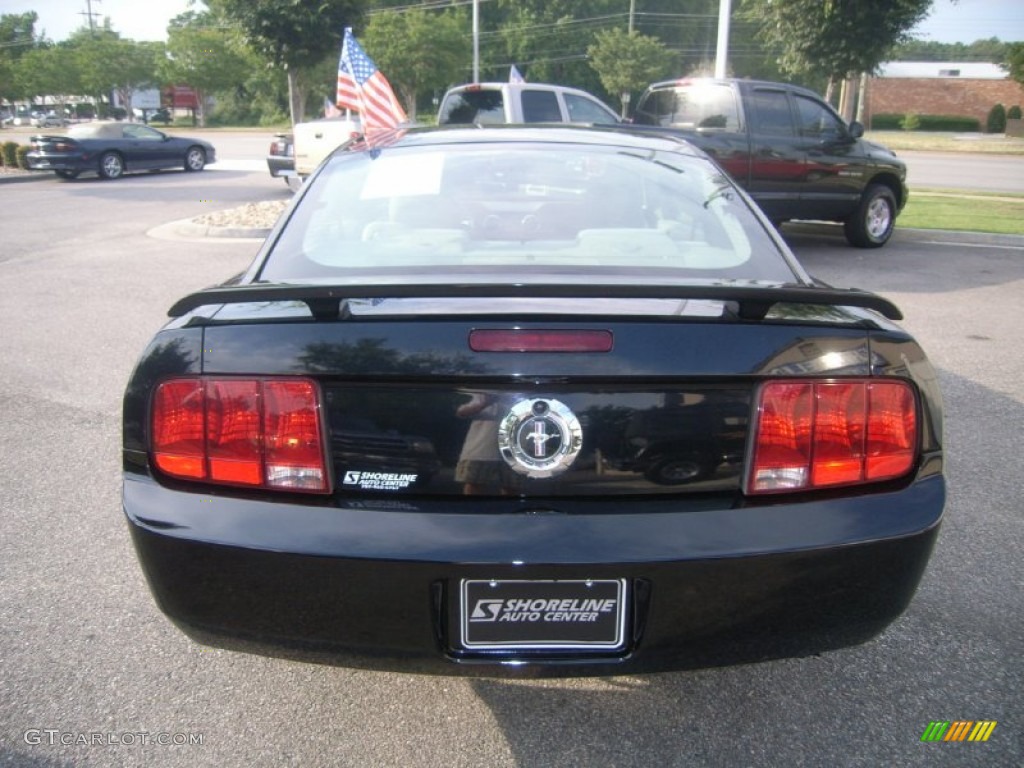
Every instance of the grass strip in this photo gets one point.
(964, 211)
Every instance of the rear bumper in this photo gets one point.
(280, 165)
(43, 162)
(377, 585)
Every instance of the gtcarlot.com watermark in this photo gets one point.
(53, 737)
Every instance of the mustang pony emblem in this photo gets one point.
(540, 438)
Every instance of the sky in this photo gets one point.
(960, 22)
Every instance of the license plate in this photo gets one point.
(543, 615)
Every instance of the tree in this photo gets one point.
(98, 71)
(109, 63)
(204, 56)
(1014, 61)
(928, 50)
(418, 50)
(547, 40)
(627, 62)
(836, 38)
(292, 34)
(49, 71)
(17, 37)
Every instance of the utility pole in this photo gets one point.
(90, 15)
(632, 13)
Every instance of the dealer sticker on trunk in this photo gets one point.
(525, 615)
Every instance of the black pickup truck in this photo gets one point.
(788, 148)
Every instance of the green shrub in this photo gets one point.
(953, 123)
(910, 122)
(21, 153)
(885, 122)
(10, 153)
(996, 122)
(1013, 113)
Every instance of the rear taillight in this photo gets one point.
(260, 433)
(824, 434)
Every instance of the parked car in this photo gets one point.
(514, 307)
(281, 156)
(48, 120)
(112, 149)
(497, 103)
(788, 148)
(161, 115)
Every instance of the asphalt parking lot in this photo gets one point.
(92, 674)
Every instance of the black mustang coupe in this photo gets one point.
(112, 149)
(543, 396)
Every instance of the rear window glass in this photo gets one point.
(483, 107)
(701, 105)
(540, 107)
(507, 207)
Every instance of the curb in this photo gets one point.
(972, 238)
(17, 178)
(187, 229)
(911, 233)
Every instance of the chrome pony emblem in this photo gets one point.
(540, 438)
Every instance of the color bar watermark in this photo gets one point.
(958, 730)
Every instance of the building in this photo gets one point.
(964, 89)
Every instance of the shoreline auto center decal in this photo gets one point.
(379, 481)
(500, 614)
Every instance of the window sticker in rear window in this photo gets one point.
(397, 176)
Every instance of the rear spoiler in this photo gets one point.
(325, 301)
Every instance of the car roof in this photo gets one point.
(555, 133)
(96, 130)
(729, 81)
(515, 86)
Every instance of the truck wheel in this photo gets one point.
(871, 225)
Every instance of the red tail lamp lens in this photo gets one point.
(233, 438)
(179, 428)
(832, 433)
(250, 432)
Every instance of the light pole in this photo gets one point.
(722, 50)
(476, 41)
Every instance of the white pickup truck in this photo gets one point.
(296, 155)
(495, 103)
(316, 139)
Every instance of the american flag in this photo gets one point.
(364, 89)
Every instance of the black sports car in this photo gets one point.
(550, 396)
(112, 149)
